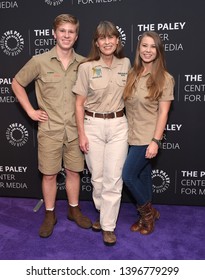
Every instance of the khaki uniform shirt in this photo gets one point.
(102, 85)
(142, 113)
(53, 85)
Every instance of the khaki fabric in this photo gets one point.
(142, 113)
(102, 85)
(53, 85)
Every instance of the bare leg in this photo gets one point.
(73, 191)
(49, 189)
(72, 186)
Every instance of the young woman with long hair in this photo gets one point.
(148, 95)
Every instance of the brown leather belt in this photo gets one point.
(105, 115)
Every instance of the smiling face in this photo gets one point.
(147, 50)
(107, 44)
(66, 36)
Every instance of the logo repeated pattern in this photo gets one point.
(175, 180)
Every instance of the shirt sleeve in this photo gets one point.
(82, 83)
(168, 92)
(27, 73)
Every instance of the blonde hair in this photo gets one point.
(66, 18)
(155, 82)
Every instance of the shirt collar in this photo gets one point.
(116, 61)
(54, 55)
(146, 74)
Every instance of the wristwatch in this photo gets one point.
(158, 142)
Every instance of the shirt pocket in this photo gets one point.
(50, 85)
(148, 104)
(142, 93)
(121, 80)
(97, 87)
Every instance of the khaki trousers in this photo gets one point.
(108, 149)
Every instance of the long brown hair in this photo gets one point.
(156, 80)
(104, 28)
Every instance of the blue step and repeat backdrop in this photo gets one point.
(26, 30)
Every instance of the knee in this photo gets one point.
(72, 174)
(126, 178)
(49, 178)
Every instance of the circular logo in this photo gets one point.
(17, 134)
(61, 177)
(122, 35)
(54, 2)
(12, 43)
(161, 181)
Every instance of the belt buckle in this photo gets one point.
(105, 115)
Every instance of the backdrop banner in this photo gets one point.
(26, 30)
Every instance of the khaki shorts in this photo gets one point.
(54, 154)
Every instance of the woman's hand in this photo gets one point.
(152, 150)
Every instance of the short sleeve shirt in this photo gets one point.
(142, 113)
(102, 85)
(53, 86)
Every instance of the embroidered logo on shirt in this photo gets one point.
(97, 72)
(53, 74)
(123, 74)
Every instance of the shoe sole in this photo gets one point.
(109, 244)
(96, 229)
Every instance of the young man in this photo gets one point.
(54, 73)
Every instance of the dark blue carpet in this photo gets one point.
(179, 234)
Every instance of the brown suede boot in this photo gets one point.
(74, 214)
(109, 238)
(48, 224)
(148, 216)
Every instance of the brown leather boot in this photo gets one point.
(75, 215)
(96, 226)
(148, 216)
(48, 224)
(137, 225)
(109, 238)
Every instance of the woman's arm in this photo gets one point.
(164, 107)
(79, 112)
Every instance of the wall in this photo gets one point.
(26, 30)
